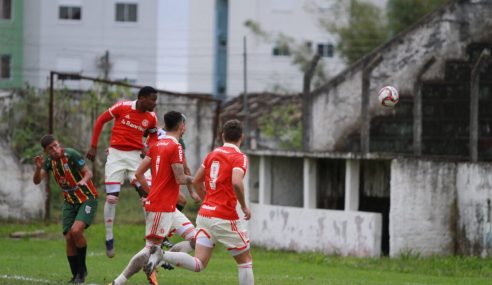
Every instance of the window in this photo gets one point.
(325, 50)
(5, 66)
(126, 12)
(281, 50)
(5, 9)
(69, 13)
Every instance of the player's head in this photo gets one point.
(147, 99)
(232, 132)
(51, 146)
(175, 122)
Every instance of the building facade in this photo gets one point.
(11, 43)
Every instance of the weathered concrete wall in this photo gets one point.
(444, 36)
(287, 181)
(328, 231)
(423, 207)
(474, 193)
(20, 199)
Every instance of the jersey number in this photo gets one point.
(214, 174)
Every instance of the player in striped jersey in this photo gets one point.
(79, 208)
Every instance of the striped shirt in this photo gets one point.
(67, 172)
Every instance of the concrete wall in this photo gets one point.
(423, 207)
(474, 190)
(327, 231)
(444, 36)
(287, 181)
(20, 199)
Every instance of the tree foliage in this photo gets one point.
(403, 13)
(284, 125)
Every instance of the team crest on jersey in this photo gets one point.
(145, 123)
(127, 116)
(66, 167)
(88, 209)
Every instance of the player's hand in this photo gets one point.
(91, 154)
(195, 197)
(143, 200)
(82, 183)
(144, 151)
(38, 161)
(247, 213)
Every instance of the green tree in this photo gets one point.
(360, 27)
(403, 13)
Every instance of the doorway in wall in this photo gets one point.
(374, 193)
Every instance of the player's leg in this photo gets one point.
(245, 268)
(85, 215)
(203, 250)
(68, 217)
(114, 172)
(156, 223)
(183, 226)
(234, 236)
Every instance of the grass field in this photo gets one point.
(42, 260)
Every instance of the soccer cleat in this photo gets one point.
(167, 266)
(79, 278)
(153, 278)
(166, 243)
(155, 259)
(110, 248)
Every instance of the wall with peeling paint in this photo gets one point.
(445, 35)
(332, 232)
(474, 190)
(20, 199)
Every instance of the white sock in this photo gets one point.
(184, 260)
(120, 280)
(109, 214)
(184, 246)
(136, 263)
(245, 271)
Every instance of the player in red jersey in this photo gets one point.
(165, 159)
(131, 120)
(222, 172)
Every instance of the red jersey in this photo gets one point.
(129, 126)
(164, 189)
(220, 200)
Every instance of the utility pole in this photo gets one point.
(307, 101)
(245, 96)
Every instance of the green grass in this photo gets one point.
(43, 261)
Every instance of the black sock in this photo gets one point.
(73, 261)
(82, 268)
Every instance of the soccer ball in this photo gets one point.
(388, 96)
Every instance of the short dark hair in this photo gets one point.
(146, 91)
(46, 140)
(232, 130)
(172, 120)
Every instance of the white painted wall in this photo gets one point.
(474, 188)
(20, 199)
(422, 212)
(327, 231)
(47, 39)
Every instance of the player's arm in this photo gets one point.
(101, 120)
(189, 186)
(86, 175)
(39, 172)
(238, 185)
(179, 175)
(140, 173)
(198, 182)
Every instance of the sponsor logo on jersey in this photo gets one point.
(132, 125)
(87, 209)
(66, 167)
(145, 123)
(207, 207)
